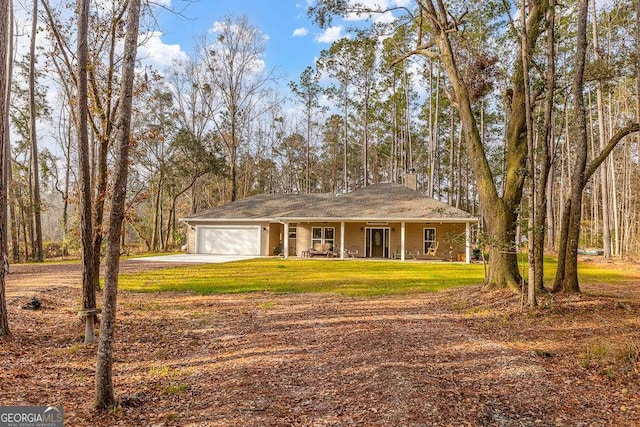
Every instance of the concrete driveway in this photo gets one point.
(196, 258)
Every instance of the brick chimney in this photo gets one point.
(411, 180)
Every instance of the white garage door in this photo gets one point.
(229, 240)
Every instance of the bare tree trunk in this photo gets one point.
(4, 131)
(602, 136)
(104, 395)
(65, 208)
(345, 173)
(570, 282)
(550, 195)
(459, 169)
(432, 154)
(15, 238)
(84, 175)
(407, 122)
(365, 136)
(532, 236)
(308, 152)
(155, 234)
(394, 141)
(435, 133)
(546, 143)
(35, 169)
(452, 126)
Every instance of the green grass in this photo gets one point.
(350, 278)
(588, 272)
(353, 278)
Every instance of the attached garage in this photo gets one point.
(228, 240)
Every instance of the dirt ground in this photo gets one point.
(465, 357)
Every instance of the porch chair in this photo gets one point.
(432, 251)
(319, 249)
(352, 252)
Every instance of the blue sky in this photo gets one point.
(278, 19)
(294, 40)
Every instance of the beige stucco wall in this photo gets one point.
(451, 237)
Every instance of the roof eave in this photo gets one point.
(212, 219)
(377, 219)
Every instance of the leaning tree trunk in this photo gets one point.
(4, 110)
(104, 396)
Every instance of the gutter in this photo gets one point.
(282, 220)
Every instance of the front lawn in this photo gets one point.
(352, 278)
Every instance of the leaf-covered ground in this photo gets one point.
(458, 357)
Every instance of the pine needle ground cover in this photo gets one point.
(459, 356)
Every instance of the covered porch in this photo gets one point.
(400, 240)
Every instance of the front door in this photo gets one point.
(293, 233)
(377, 242)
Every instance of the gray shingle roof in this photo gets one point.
(375, 202)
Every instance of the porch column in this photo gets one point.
(403, 231)
(285, 238)
(342, 240)
(468, 242)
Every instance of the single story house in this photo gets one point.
(377, 221)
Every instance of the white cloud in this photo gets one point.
(300, 32)
(153, 51)
(330, 35)
(385, 18)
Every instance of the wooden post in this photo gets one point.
(403, 232)
(468, 242)
(342, 240)
(285, 238)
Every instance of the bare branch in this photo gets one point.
(420, 50)
(615, 139)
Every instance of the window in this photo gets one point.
(429, 239)
(292, 232)
(322, 238)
